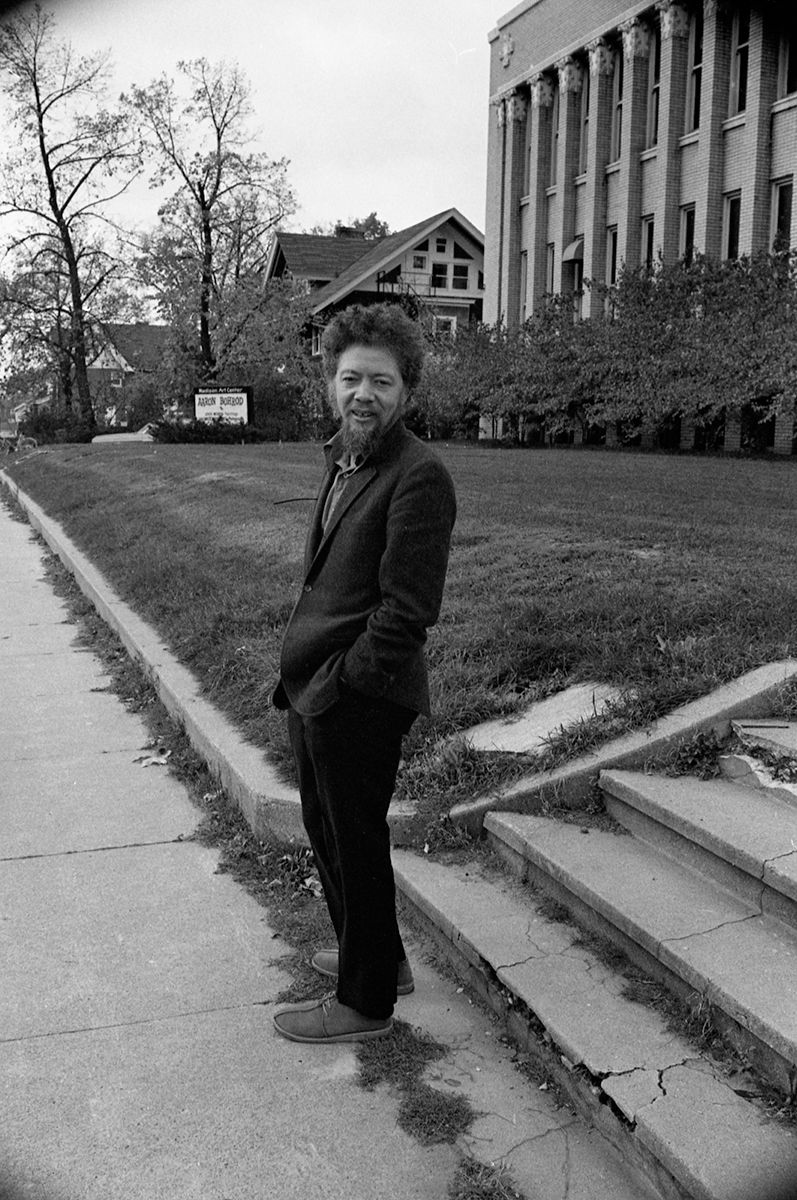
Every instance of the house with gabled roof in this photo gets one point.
(124, 352)
(438, 262)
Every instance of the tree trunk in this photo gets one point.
(205, 344)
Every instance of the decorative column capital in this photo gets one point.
(569, 75)
(507, 49)
(515, 106)
(674, 19)
(601, 57)
(500, 113)
(637, 38)
(541, 91)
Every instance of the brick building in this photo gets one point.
(623, 131)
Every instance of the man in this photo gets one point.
(352, 671)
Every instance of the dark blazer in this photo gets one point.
(373, 583)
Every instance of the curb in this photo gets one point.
(270, 806)
(570, 785)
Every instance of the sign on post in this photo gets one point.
(228, 404)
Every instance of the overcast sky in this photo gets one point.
(379, 104)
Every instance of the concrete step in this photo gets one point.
(680, 927)
(669, 1111)
(747, 770)
(744, 839)
(778, 736)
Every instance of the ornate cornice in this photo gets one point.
(601, 57)
(541, 91)
(637, 38)
(674, 19)
(570, 79)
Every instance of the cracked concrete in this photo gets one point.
(137, 1051)
(661, 1094)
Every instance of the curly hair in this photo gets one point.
(384, 326)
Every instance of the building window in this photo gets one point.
(460, 277)
(787, 69)
(782, 193)
(553, 148)
(616, 140)
(687, 237)
(445, 327)
(654, 88)
(441, 245)
(480, 283)
(419, 262)
(611, 255)
(315, 341)
(439, 275)
(578, 288)
(583, 133)
(695, 76)
(732, 215)
(527, 163)
(550, 262)
(524, 282)
(740, 53)
(648, 255)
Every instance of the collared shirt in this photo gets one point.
(347, 465)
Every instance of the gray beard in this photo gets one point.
(360, 442)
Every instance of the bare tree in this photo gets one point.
(215, 226)
(83, 156)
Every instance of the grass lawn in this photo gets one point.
(662, 575)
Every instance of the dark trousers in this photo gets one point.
(347, 760)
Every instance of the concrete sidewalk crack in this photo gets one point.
(688, 937)
(134, 1024)
(179, 840)
(778, 857)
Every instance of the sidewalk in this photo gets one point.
(137, 1054)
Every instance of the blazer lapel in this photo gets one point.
(354, 487)
(315, 532)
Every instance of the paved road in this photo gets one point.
(137, 1055)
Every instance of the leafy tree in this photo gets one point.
(693, 341)
(71, 156)
(214, 229)
(370, 227)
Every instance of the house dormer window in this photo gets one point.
(441, 245)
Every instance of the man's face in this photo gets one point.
(369, 395)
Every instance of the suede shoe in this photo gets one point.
(326, 963)
(328, 1020)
